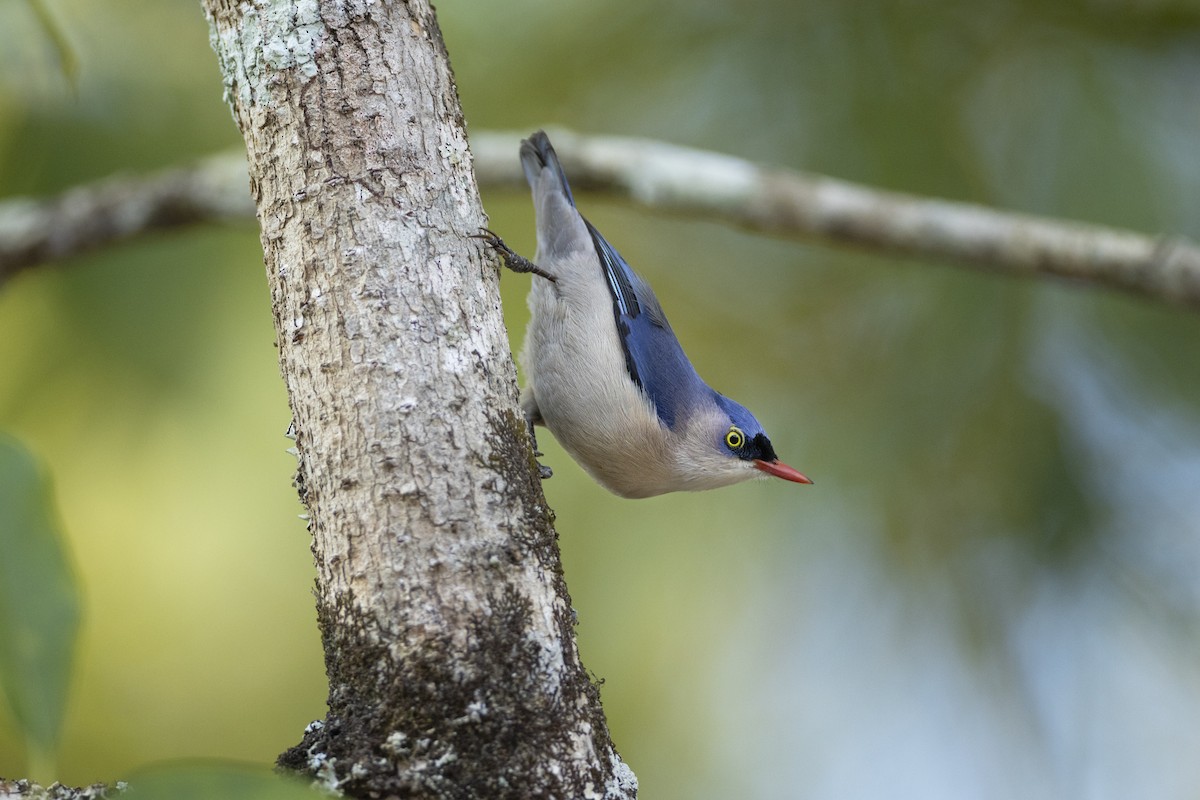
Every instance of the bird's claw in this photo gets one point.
(544, 472)
(515, 262)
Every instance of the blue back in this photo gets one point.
(653, 356)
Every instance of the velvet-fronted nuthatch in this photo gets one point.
(605, 372)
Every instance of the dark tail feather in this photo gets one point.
(537, 153)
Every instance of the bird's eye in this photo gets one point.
(735, 439)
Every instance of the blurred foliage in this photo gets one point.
(39, 605)
(204, 781)
(992, 588)
(68, 64)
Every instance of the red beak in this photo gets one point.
(781, 470)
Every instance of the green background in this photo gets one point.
(993, 589)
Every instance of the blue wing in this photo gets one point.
(653, 356)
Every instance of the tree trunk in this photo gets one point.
(447, 627)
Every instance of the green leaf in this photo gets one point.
(39, 604)
(203, 781)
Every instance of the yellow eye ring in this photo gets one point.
(735, 439)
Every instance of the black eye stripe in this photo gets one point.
(739, 444)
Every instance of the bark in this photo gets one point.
(23, 789)
(447, 627)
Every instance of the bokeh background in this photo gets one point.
(993, 589)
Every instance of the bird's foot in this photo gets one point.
(515, 262)
(544, 472)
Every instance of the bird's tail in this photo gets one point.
(536, 154)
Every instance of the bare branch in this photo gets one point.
(121, 207)
(672, 179)
(799, 205)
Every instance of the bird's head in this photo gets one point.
(722, 443)
(740, 436)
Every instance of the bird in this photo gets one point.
(604, 371)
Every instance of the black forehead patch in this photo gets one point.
(762, 446)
